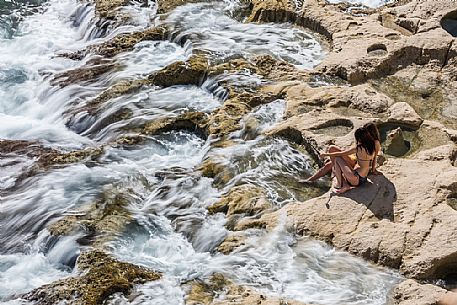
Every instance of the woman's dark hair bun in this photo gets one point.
(365, 140)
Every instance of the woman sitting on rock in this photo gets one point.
(348, 176)
(351, 160)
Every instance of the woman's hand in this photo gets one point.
(323, 155)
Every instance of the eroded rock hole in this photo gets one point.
(398, 141)
(452, 202)
(446, 272)
(336, 128)
(450, 281)
(377, 50)
(393, 36)
(449, 23)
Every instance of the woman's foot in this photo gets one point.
(307, 181)
(343, 189)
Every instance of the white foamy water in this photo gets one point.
(167, 195)
(149, 56)
(31, 108)
(47, 259)
(20, 273)
(149, 104)
(211, 30)
(25, 60)
(274, 263)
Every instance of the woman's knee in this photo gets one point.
(333, 148)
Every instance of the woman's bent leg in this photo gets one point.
(347, 172)
(321, 172)
(338, 176)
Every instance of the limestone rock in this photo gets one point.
(429, 91)
(244, 199)
(449, 298)
(119, 89)
(411, 292)
(89, 72)
(166, 6)
(70, 157)
(264, 65)
(190, 72)
(44, 157)
(227, 118)
(278, 70)
(214, 169)
(403, 113)
(22, 147)
(107, 8)
(362, 97)
(121, 43)
(192, 121)
(101, 276)
(366, 47)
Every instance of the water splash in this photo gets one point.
(212, 31)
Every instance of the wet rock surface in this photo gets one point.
(99, 222)
(165, 6)
(231, 242)
(101, 277)
(89, 72)
(209, 293)
(107, 8)
(244, 199)
(120, 43)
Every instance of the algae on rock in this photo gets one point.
(206, 293)
(102, 220)
(100, 277)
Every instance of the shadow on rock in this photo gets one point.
(378, 195)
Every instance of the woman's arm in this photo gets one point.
(373, 164)
(375, 157)
(347, 152)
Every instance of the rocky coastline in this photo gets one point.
(395, 65)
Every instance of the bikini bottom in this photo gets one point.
(362, 180)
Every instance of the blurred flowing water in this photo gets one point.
(166, 194)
